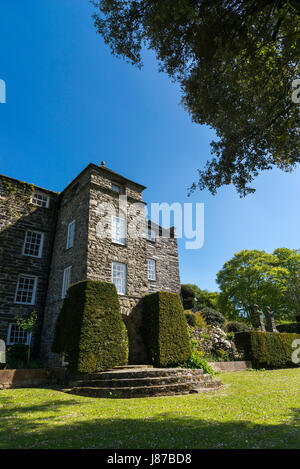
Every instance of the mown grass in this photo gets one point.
(253, 410)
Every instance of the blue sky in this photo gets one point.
(70, 102)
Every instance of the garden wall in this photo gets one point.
(32, 378)
(231, 366)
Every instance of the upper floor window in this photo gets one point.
(33, 244)
(151, 235)
(70, 235)
(151, 265)
(40, 199)
(66, 281)
(116, 188)
(26, 289)
(119, 275)
(118, 234)
(16, 335)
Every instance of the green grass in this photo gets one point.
(258, 409)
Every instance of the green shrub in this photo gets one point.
(213, 317)
(196, 361)
(190, 319)
(89, 329)
(188, 296)
(290, 327)
(266, 349)
(165, 330)
(235, 326)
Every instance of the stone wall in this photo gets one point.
(164, 252)
(17, 215)
(74, 205)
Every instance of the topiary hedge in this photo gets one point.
(290, 327)
(267, 349)
(89, 329)
(165, 330)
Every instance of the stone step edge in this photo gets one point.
(99, 382)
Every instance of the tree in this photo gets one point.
(236, 62)
(290, 260)
(254, 277)
(204, 298)
(28, 326)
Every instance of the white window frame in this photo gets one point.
(124, 267)
(151, 269)
(71, 234)
(40, 247)
(64, 290)
(114, 228)
(33, 291)
(35, 193)
(116, 188)
(151, 235)
(26, 334)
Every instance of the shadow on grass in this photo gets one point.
(25, 428)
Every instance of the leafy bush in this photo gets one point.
(195, 319)
(290, 327)
(200, 321)
(17, 358)
(89, 329)
(267, 349)
(235, 326)
(188, 296)
(165, 329)
(196, 360)
(213, 317)
(190, 319)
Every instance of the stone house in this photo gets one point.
(50, 240)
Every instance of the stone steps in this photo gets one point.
(142, 382)
(131, 392)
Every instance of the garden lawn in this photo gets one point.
(258, 409)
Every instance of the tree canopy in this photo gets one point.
(257, 278)
(235, 60)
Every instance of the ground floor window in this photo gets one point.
(16, 335)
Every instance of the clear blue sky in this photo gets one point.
(69, 103)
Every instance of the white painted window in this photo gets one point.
(118, 230)
(40, 199)
(70, 235)
(66, 281)
(33, 244)
(151, 266)
(16, 335)
(119, 275)
(151, 235)
(26, 289)
(116, 188)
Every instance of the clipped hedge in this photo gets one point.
(267, 349)
(290, 327)
(165, 330)
(90, 329)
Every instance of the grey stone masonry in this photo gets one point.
(19, 215)
(78, 244)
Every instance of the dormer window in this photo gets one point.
(40, 199)
(116, 188)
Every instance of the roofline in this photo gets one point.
(29, 183)
(103, 168)
(89, 166)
